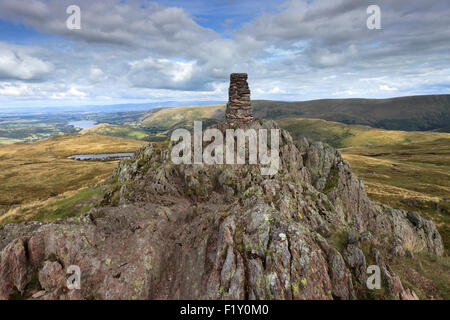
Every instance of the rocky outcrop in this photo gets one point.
(408, 229)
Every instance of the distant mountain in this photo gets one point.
(414, 113)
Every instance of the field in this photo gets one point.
(35, 175)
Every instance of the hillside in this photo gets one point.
(341, 135)
(414, 113)
(413, 176)
(123, 131)
(428, 112)
(170, 117)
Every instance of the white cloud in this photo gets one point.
(387, 88)
(15, 64)
(163, 74)
(74, 91)
(269, 91)
(9, 89)
(345, 93)
(323, 57)
(96, 75)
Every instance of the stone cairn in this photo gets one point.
(239, 108)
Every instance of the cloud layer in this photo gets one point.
(129, 51)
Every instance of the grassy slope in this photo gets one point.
(170, 117)
(341, 135)
(117, 131)
(31, 173)
(426, 112)
(156, 125)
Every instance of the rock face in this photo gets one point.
(239, 105)
(167, 231)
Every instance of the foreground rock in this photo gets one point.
(169, 231)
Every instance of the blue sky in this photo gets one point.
(133, 51)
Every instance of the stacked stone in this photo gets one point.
(239, 107)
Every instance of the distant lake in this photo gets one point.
(102, 156)
(83, 124)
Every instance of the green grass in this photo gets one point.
(121, 131)
(341, 135)
(47, 211)
(170, 117)
(426, 112)
(426, 274)
(338, 240)
(72, 206)
(332, 180)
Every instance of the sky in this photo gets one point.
(136, 51)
